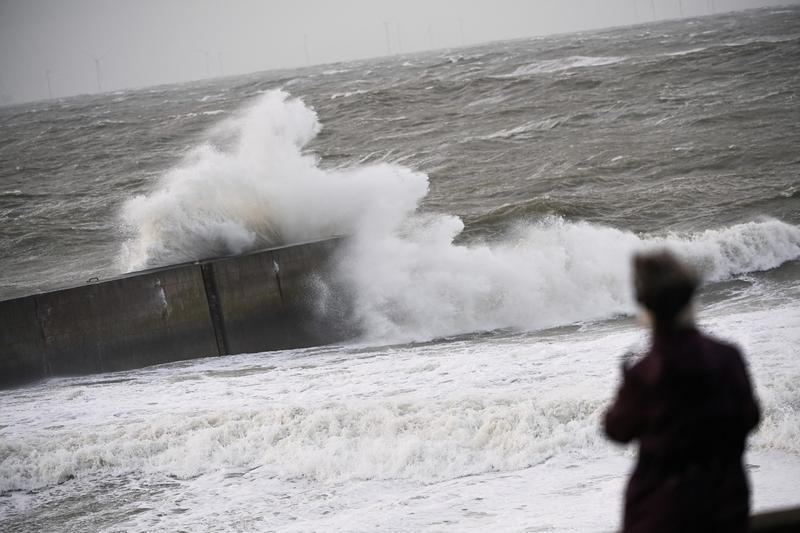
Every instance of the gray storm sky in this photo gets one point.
(136, 43)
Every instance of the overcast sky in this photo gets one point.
(135, 43)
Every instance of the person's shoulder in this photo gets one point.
(721, 348)
(718, 343)
(646, 370)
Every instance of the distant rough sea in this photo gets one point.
(494, 196)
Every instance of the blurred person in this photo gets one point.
(690, 405)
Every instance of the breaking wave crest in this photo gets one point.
(332, 443)
(547, 66)
(423, 440)
(253, 186)
(418, 285)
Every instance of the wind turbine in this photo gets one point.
(98, 70)
(5, 97)
(47, 73)
(388, 38)
(98, 73)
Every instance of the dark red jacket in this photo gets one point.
(690, 405)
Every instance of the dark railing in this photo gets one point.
(777, 521)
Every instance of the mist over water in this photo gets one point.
(492, 197)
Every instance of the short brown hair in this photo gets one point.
(664, 285)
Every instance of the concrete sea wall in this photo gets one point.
(261, 301)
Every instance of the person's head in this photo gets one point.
(664, 286)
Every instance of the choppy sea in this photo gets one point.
(493, 196)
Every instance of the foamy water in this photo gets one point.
(499, 430)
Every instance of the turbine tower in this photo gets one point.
(5, 96)
(98, 75)
(47, 73)
(98, 69)
(388, 38)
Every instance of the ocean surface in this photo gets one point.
(494, 196)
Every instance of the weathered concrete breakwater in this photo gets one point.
(260, 301)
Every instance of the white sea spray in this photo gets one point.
(252, 185)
